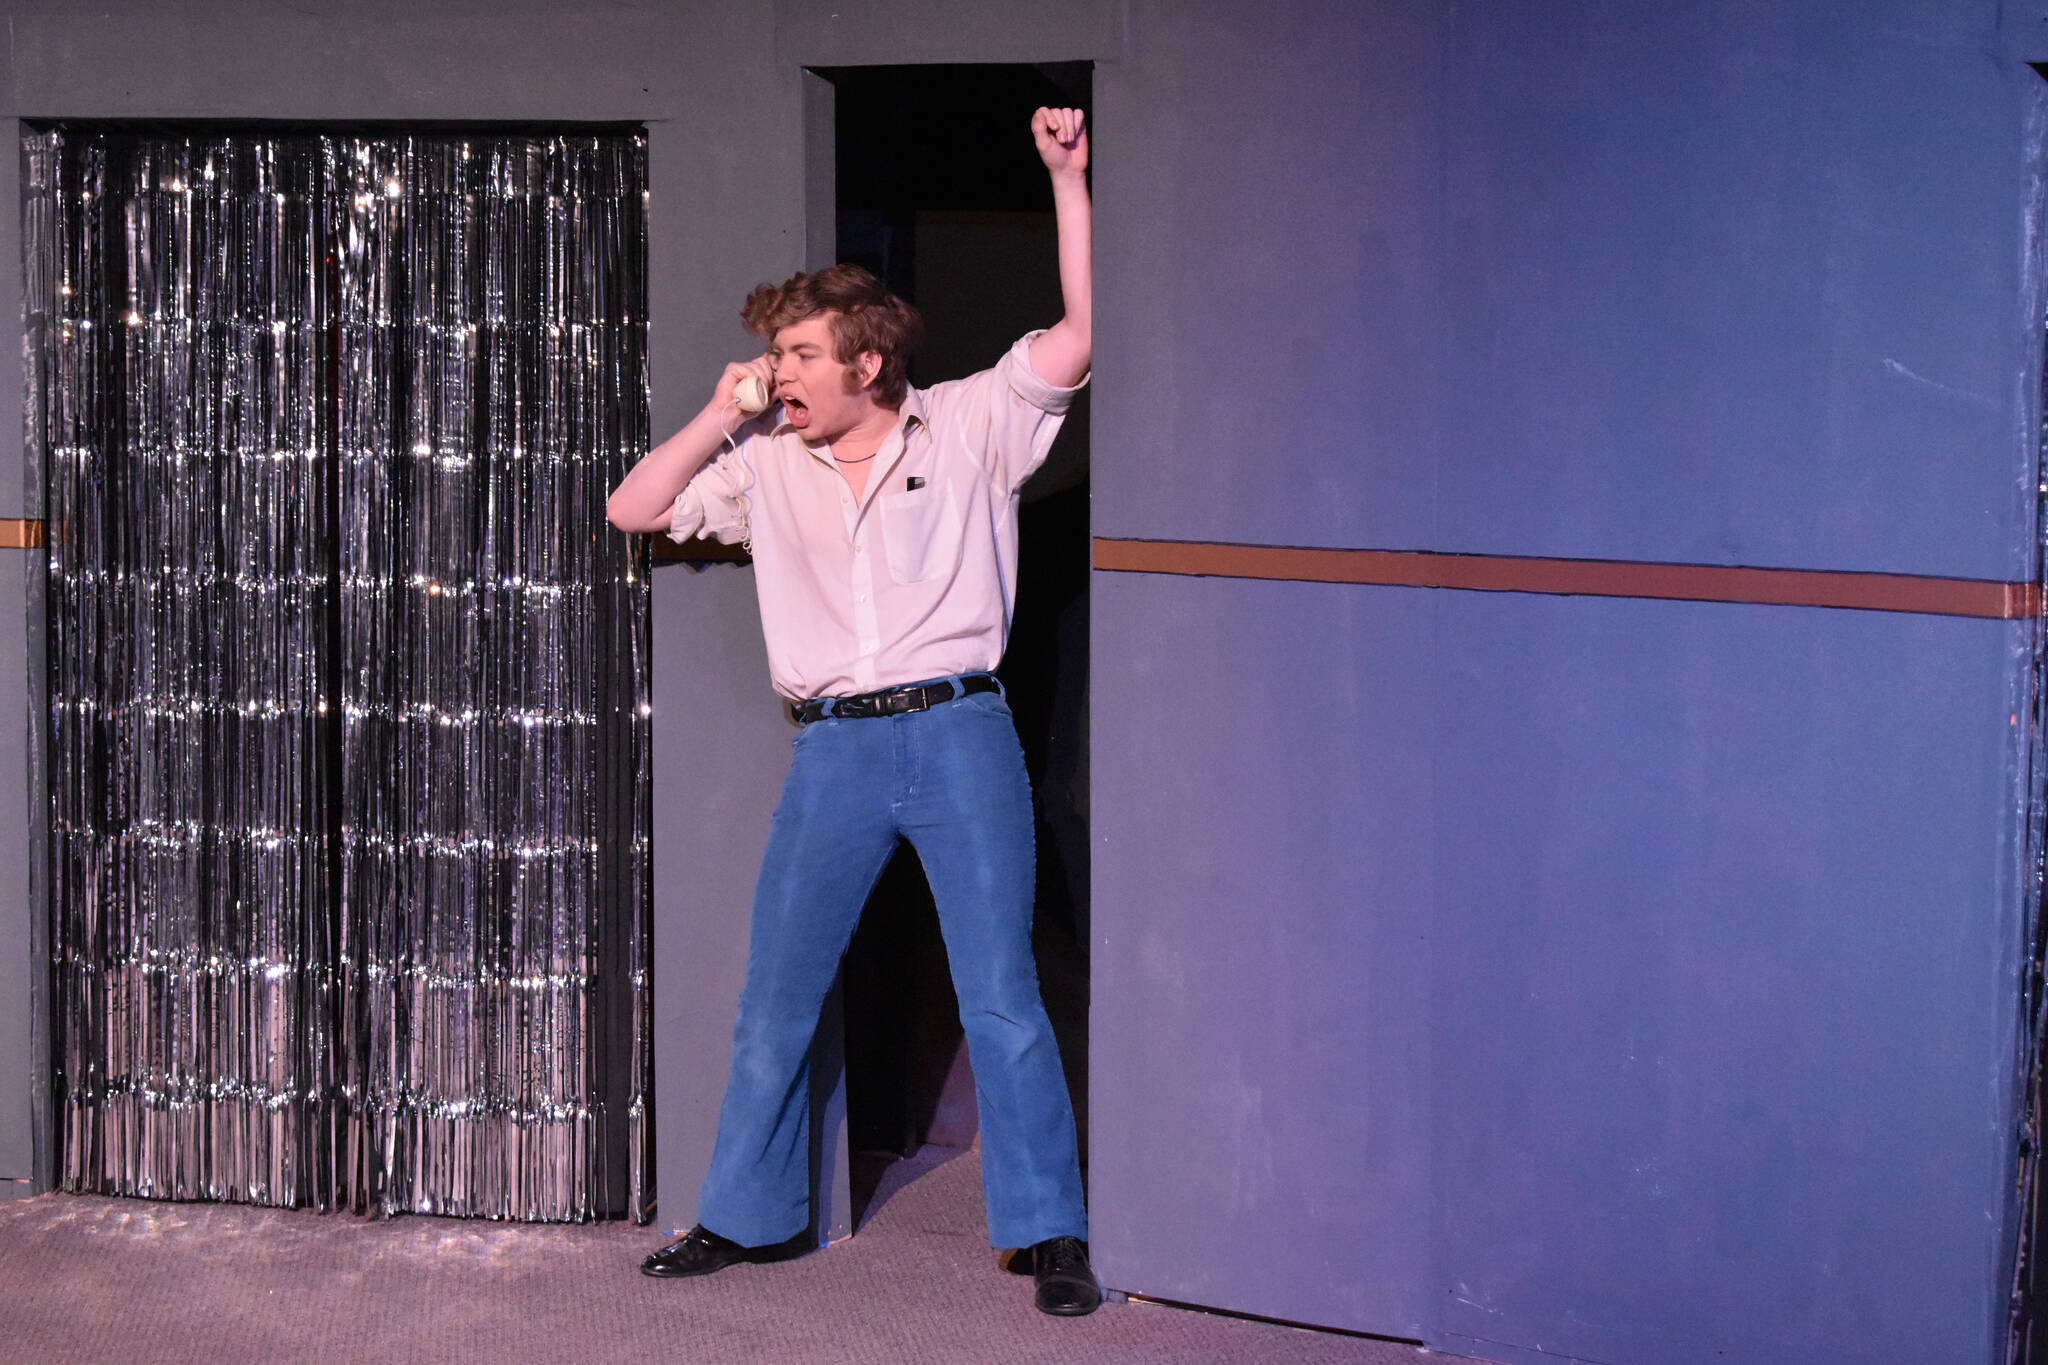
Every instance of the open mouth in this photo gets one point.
(796, 410)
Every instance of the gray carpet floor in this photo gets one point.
(124, 1280)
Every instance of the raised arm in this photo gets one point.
(643, 498)
(1061, 354)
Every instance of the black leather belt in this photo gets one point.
(894, 701)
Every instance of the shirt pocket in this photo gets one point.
(923, 531)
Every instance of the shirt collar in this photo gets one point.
(913, 410)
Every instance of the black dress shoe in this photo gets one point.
(701, 1251)
(1066, 1286)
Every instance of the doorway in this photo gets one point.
(939, 191)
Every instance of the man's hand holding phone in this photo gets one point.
(747, 385)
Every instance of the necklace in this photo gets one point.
(859, 460)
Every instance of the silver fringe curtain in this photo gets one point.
(348, 724)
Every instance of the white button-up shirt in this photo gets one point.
(918, 578)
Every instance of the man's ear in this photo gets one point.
(867, 365)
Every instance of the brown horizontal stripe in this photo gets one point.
(1582, 577)
(21, 533)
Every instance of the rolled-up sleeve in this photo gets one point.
(714, 502)
(1012, 412)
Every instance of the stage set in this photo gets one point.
(1529, 659)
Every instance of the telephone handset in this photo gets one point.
(750, 396)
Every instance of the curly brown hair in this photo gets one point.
(865, 317)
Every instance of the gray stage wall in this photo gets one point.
(733, 202)
(1612, 980)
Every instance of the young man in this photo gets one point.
(883, 524)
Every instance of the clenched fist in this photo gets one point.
(1062, 138)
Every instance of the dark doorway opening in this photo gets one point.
(940, 192)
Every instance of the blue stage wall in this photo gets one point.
(1613, 980)
(1728, 284)
(1630, 980)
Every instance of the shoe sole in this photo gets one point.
(664, 1273)
(749, 1256)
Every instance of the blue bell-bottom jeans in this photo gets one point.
(950, 780)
